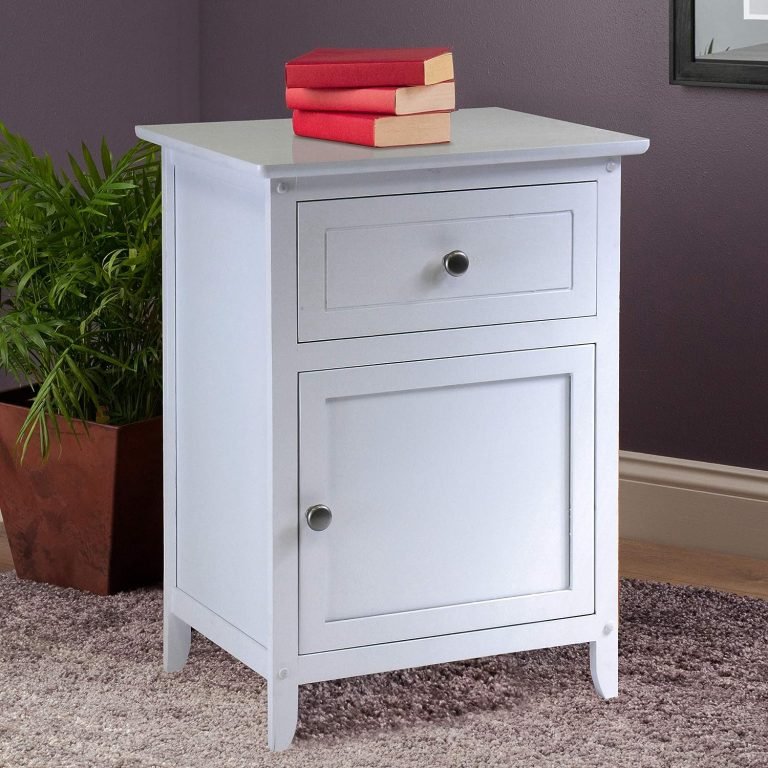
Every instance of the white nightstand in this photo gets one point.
(391, 397)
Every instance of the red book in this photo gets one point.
(374, 130)
(387, 100)
(366, 67)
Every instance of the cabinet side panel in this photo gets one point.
(222, 394)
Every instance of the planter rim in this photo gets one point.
(4, 403)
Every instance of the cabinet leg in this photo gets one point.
(604, 664)
(282, 713)
(176, 639)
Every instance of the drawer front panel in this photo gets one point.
(461, 492)
(374, 265)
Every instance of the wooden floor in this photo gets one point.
(729, 573)
(644, 560)
(6, 563)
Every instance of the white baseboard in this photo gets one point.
(693, 504)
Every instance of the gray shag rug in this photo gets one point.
(81, 687)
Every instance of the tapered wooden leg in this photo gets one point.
(177, 636)
(282, 713)
(604, 663)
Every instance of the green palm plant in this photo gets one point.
(80, 274)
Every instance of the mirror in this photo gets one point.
(719, 43)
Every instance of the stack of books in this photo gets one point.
(380, 97)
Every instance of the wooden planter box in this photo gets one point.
(89, 517)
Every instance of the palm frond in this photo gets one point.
(80, 272)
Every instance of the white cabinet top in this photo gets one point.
(487, 135)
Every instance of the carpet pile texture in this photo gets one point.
(81, 687)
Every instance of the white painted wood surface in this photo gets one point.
(605, 674)
(374, 265)
(461, 491)
(369, 659)
(222, 404)
(488, 135)
(604, 663)
(260, 424)
(176, 632)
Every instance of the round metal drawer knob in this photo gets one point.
(456, 263)
(319, 517)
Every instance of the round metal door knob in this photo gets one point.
(319, 517)
(456, 263)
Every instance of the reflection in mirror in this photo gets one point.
(731, 30)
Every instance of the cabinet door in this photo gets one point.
(461, 492)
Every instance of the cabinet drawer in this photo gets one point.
(461, 493)
(374, 265)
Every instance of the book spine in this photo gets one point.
(377, 100)
(354, 74)
(335, 126)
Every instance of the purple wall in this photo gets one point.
(695, 229)
(83, 69)
(694, 362)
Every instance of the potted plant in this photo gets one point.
(80, 329)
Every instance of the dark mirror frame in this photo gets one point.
(685, 69)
